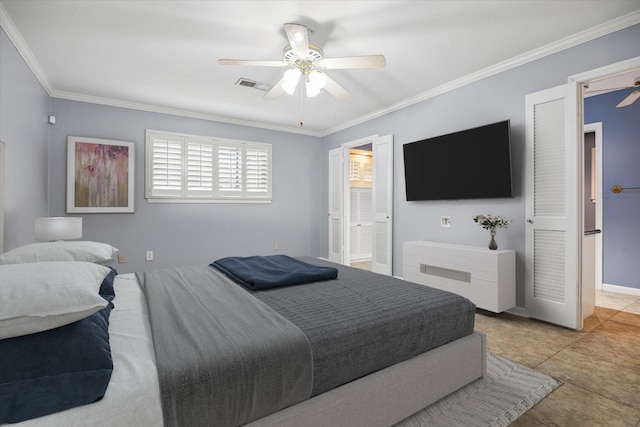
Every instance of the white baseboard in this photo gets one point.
(621, 289)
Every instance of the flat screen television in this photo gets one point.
(470, 164)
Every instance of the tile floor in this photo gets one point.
(599, 365)
(362, 265)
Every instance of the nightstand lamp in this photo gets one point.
(58, 228)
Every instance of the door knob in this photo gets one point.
(530, 221)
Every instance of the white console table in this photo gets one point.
(486, 277)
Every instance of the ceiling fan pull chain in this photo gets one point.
(301, 101)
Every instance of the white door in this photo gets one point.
(361, 224)
(1, 197)
(382, 261)
(552, 191)
(335, 206)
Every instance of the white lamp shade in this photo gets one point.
(58, 228)
(291, 78)
(315, 81)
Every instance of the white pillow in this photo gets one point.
(36, 297)
(100, 253)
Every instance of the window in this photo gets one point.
(189, 168)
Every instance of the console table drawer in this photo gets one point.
(484, 276)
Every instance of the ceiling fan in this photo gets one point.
(633, 96)
(630, 99)
(307, 60)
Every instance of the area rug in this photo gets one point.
(507, 391)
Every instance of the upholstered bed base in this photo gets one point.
(392, 394)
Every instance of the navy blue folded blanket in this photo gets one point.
(265, 272)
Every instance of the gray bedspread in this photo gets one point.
(224, 358)
(363, 322)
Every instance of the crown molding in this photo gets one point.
(177, 112)
(549, 49)
(568, 42)
(23, 49)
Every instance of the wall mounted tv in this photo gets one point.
(470, 164)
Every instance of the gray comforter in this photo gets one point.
(227, 355)
(224, 358)
(363, 322)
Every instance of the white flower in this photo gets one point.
(491, 222)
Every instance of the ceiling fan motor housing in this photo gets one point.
(305, 65)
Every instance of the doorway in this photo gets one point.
(340, 201)
(555, 215)
(600, 81)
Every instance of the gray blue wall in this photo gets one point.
(24, 108)
(490, 100)
(620, 166)
(187, 234)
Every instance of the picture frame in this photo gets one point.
(100, 175)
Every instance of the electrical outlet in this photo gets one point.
(276, 246)
(445, 221)
(149, 255)
(121, 258)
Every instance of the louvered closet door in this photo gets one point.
(551, 278)
(335, 205)
(1, 196)
(361, 221)
(382, 261)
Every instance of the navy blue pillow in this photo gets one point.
(106, 288)
(51, 371)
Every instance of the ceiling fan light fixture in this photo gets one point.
(291, 78)
(315, 82)
(306, 59)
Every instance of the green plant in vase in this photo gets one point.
(491, 223)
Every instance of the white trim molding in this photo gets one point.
(620, 289)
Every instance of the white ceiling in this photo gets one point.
(162, 55)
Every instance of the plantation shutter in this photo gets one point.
(166, 166)
(203, 169)
(199, 167)
(258, 167)
(230, 169)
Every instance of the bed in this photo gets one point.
(350, 386)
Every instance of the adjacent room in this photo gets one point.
(319, 213)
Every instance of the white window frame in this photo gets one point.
(248, 179)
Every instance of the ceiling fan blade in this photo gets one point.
(298, 39)
(251, 63)
(629, 99)
(276, 90)
(335, 89)
(369, 61)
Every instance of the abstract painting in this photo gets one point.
(100, 175)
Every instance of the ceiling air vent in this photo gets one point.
(251, 83)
